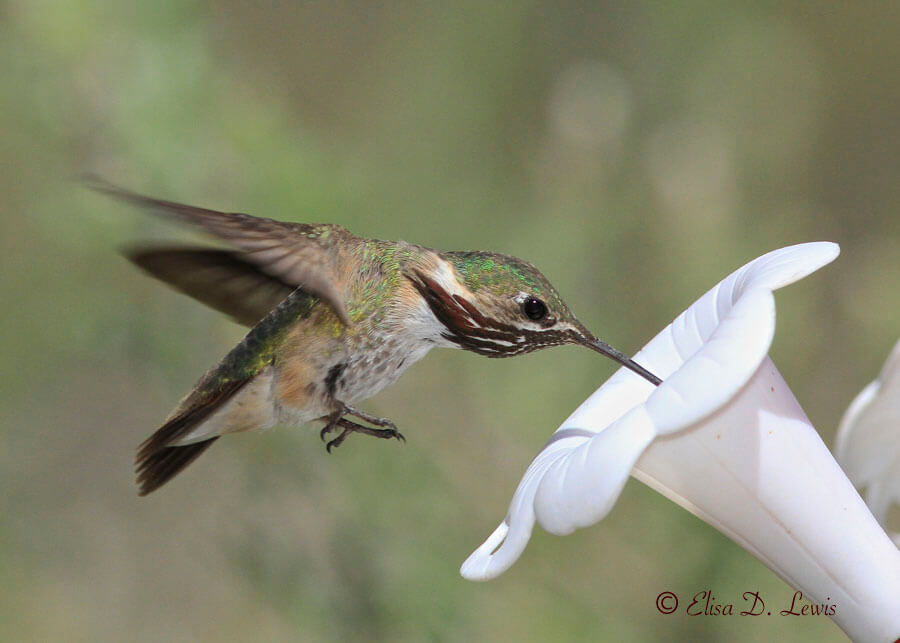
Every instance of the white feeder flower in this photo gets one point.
(868, 440)
(724, 437)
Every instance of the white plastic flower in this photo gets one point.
(868, 440)
(724, 437)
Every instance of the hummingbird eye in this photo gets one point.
(534, 309)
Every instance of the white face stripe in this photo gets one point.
(445, 276)
(503, 342)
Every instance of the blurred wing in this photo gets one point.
(218, 278)
(297, 254)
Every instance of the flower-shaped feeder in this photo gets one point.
(724, 437)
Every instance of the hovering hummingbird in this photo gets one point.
(334, 319)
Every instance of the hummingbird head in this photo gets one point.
(501, 306)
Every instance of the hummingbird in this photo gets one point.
(334, 318)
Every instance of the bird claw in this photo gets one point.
(337, 441)
(371, 419)
(330, 425)
(352, 427)
(387, 434)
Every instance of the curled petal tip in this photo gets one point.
(482, 564)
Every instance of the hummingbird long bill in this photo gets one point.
(334, 318)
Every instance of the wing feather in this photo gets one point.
(298, 254)
(221, 279)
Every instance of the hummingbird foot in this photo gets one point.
(352, 427)
(371, 419)
(337, 419)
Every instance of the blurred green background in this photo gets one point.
(635, 151)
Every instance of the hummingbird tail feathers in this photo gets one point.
(158, 459)
(158, 468)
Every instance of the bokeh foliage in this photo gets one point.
(635, 151)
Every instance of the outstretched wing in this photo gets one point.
(218, 278)
(297, 254)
